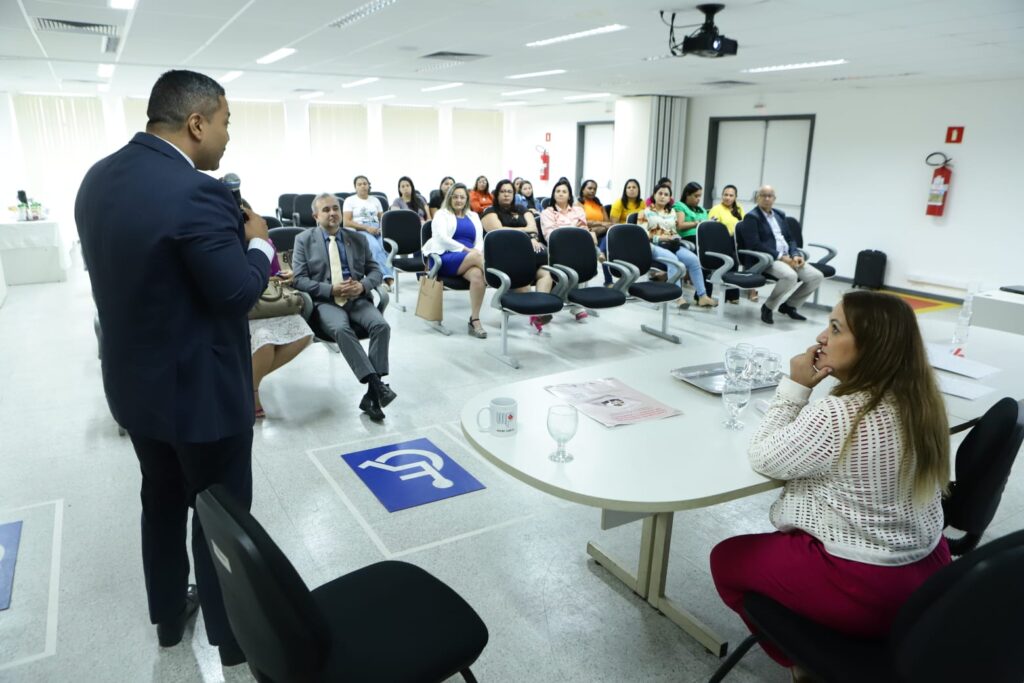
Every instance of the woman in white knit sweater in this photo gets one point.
(860, 518)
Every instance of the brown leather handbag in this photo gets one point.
(277, 300)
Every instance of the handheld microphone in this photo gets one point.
(233, 183)
(22, 197)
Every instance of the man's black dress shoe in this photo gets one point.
(791, 312)
(371, 407)
(170, 632)
(766, 315)
(231, 655)
(385, 395)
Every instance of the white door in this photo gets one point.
(738, 162)
(597, 158)
(785, 162)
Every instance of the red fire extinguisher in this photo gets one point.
(939, 189)
(545, 163)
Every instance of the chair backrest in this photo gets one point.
(511, 252)
(631, 218)
(983, 463)
(746, 237)
(271, 612)
(608, 210)
(284, 238)
(304, 207)
(631, 244)
(573, 247)
(714, 236)
(435, 196)
(342, 196)
(545, 203)
(286, 205)
(402, 226)
(272, 222)
(383, 199)
(796, 231)
(964, 623)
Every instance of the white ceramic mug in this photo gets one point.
(501, 416)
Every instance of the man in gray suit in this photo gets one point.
(334, 267)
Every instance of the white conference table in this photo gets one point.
(649, 470)
(33, 252)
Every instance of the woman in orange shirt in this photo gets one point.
(597, 217)
(480, 198)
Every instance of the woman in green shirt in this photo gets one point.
(689, 212)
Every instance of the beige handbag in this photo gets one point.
(277, 300)
(430, 304)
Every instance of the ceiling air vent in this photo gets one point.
(727, 84)
(81, 27)
(90, 81)
(447, 60)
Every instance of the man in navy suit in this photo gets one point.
(175, 266)
(797, 280)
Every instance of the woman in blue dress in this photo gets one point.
(457, 239)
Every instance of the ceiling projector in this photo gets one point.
(706, 41)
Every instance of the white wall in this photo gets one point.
(868, 182)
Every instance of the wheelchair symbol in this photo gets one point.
(422, 467)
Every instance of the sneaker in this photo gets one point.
(581, 316)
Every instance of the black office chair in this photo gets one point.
(320, 335)
(400, 229)
(272, 222)
(383, 199)
(630, 248)
(608, 210)
(717, 251)
(572, 251)
(797, 232)
(963, 624)
(389, 621)
(285, 208)
(342, 196)
(302, 214)
(983, 463)
(510, 263)
(545, 203)
(284, 243)
(432, 266)
(631, 218)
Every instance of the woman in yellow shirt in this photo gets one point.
(728, 212)
(631, 201)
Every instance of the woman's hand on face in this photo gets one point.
(802, 368)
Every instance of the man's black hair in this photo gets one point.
(177, 94)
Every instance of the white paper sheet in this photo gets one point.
(962, 388)
(940, 358)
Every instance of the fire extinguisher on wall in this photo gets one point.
(941, 179)
(545, 163)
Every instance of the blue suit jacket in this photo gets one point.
(172, 281)
(765, 236)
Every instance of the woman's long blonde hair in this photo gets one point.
(891, 360)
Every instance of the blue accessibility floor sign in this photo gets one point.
(411, 473)
(10, 538)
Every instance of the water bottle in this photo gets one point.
(963, 328)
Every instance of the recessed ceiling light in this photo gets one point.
(276, 55)
(103, 87)
(611, 28)
(790, 67)
(588, 96)
(511, 103)
(121, 4)
(361, 81)
(446, 86)
(379, 97)
(311, 95)
(457, 99)
(536, 74)
(361, 12)
(230, 76)
(105, 70)
(528, 91)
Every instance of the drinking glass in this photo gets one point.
(736, 362)
(735, 396)
(772, 366)
(562, 423)
(758, 361)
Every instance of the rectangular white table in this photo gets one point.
(999, 310)
(32, 252)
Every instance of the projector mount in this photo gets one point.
(709, 10)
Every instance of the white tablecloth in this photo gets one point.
(33, 251)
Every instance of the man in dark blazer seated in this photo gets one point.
(174, 267)
(796, 279)
(333, 265)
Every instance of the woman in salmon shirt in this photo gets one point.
(480, 198)
(562, 214)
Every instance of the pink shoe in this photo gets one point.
(581, 316)
(539, 321)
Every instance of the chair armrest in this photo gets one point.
(307, 305)
(831, 251)
(763, 261)
(628, 272)
(392, 253)
(566, 280)
(433, 263)
(687, 244)
(727, 264)
(277, 212)
(383, 298)
(680, 268)
(503, 289)
(295, 219)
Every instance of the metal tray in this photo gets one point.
(711, 378)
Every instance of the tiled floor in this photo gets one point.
(517, 555)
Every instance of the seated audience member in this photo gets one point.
(480, 198)
(562, 214)
(409, 199)
(274, 341)
(437, 196)
(728, 212)
(689, 212)
(631, 201)
(362, 212)
(505, 214)
(457, 239)
(335, 268)
(528, 201)
(664, 180)
(660, 220)
(860, 518)
(593, 209)
(516, 182)
(789, 267)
